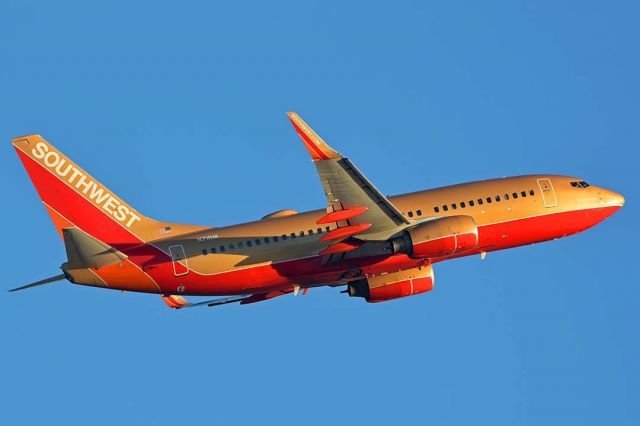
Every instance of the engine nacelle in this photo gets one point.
(393, 285)
(441, 237)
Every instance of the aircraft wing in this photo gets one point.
(353, 202)
(179, 302)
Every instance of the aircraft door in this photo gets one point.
(548, 194)
(179, 260)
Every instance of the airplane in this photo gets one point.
(380, 247)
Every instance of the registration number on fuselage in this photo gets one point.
(207, 238)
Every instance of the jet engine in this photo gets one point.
(439, 237)
(393, 285)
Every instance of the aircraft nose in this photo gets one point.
(616, 199)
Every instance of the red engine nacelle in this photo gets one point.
(443, 237)
(393, 285)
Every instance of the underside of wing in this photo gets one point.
(353, 202)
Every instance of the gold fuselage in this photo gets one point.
(417, 206)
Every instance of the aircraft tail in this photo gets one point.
(73, 198)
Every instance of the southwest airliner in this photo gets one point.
(378, 247)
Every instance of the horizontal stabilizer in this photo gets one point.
(84, 251)
(41, 282)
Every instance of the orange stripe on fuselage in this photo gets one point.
(126, 276)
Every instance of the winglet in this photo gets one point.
(318, 148)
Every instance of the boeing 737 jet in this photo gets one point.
(381, 248)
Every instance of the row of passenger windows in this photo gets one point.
(265, 240)
(488, 200)
(471, 203)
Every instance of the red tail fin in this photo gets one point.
(74, 198)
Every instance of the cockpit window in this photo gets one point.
(580, 184)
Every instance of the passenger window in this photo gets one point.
(310, 232)
(471, 203)
(293, 235)
(445, 208)
(204, 252)
(531, 192)
(523, 193)
(419, 212)
(240, 245)
(480, 201)
(302, 233)
(284, 237)
(222, 249)
(213, 250)
(515, 195)
(436, 209)
(319, 230)
(497, 198)
(328, 228)
(410, 214)
(257, 241)
(453, 206)
(462, 205)
(506, 196)
(231, 247)
(249, 243)
(275, 238)
(266, 240)
(489, 200)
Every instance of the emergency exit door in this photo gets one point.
(548, 194)
(179, 260)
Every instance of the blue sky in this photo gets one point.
(179, 108)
